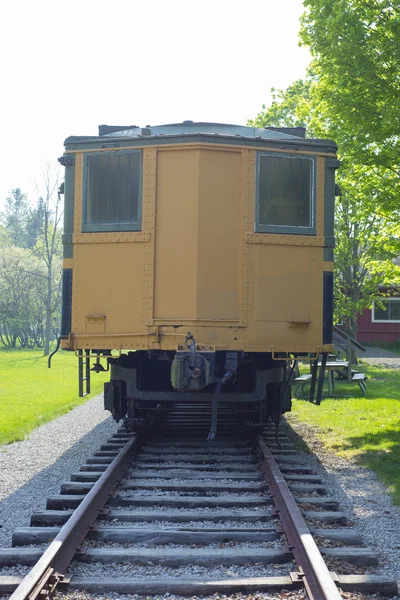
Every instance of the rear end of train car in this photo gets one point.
(198, 263)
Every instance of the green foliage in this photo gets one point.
(48, 244)
(31, 394)
(21, 298)
(30, 266)
(288, 109)
(365, 429)
(34, 226)
(357, 60)
(5, 238)
(15, 218)
(366, 244)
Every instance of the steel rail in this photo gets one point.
(49, 571)
(312, 568)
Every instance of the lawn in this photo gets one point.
(365, 429)
(31, 394)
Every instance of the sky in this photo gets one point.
(67, 67)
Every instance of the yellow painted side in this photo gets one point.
(176, 234)
(288, 297)
(218, 223)
(113, 274)
(67, 263)
(108, 280)
(197, 235)
(282, 291)
(197, 264)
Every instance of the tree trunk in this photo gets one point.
(49, 297)
(350, 327)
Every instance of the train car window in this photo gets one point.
(285, 194)
(112, 198)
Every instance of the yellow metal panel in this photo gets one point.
(282, 284)
(316, 293)
(246, 225)
(67, 263)
(328, 266)
(197, 252)
(115, 237)
(96, 324)
(109, 282)
(148, 225)
(175, 293)
(219, 234)
(113, 275)
(320, 197)
(284, 239)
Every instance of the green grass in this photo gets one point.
(31, 394)
(365, 429)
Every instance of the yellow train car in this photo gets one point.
(198, 259)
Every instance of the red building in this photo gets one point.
(381, 323)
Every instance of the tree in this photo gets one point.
(33, 231)
(367, 242)
(35, 222)
(15, 218)
(5, 238)
(47, 230)
(290, 108)
(356, 57)
(21, 297)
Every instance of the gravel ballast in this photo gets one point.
(361, 496)
(120, 570)
(34, 469)
(296, 595)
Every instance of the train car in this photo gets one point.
(198, 263)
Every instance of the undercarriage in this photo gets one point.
(198, 390)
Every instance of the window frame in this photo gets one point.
(373, 320)
(286, 229)
(110, 227)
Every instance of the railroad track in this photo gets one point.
(150, 513)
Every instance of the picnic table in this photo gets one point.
(332, 367)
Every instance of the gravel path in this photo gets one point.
(32, 470)
(380, 358)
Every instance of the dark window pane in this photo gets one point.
(394, 310)
(285, 191)
(381, 313)
(113, 188)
